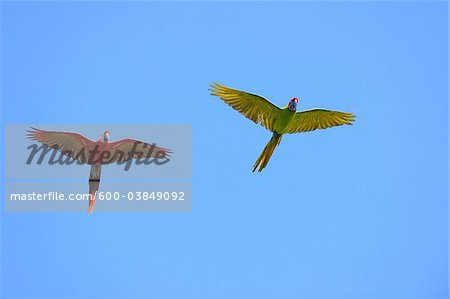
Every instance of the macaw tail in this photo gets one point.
(264, 158)
(94, 183)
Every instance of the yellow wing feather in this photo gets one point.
(254, 107)
(310, 120)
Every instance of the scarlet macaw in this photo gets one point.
(96, 153)
(280, 121)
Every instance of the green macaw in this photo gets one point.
(280, 121)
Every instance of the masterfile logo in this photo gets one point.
(43, 160)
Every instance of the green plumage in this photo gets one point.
(278, 120)
(283, 120)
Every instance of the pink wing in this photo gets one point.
(70, 144)
(125, 149)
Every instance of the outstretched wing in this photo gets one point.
(310, 120)
(126, 149)
(73, 145)
(254, 107)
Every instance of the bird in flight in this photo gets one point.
(279, 121)
(96, 153)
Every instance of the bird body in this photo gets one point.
(96, 153)
(283, 119)
(279, 121)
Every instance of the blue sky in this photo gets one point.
(349, 212)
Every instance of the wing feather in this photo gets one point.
(126, 149)
(68, 143)
(310, 120)
(254, 107)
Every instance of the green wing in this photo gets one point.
(254, 107)
(310, 120)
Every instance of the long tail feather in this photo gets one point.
(264, 158)
(94, 183)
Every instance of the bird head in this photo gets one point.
(293, 104)
(105, 136)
